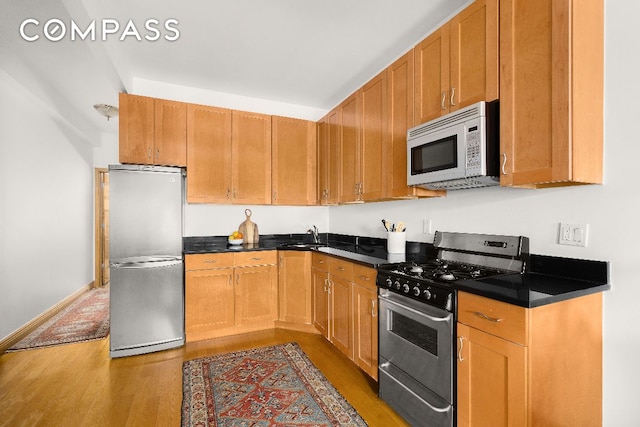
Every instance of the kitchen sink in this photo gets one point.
(302, 245)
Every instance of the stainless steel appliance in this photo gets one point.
(146, 267)
(417, 304)
(458, 150)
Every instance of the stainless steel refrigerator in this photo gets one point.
(146, 264)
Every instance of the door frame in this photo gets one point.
(99, 174)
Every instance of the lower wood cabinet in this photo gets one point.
(320, 285)
(230, 293)
(529, 367)
(345, 308)
(294, 289)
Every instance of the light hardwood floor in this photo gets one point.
(79, 385)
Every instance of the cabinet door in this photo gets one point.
(399, 120)
(432, 76)
(492, 380)
(208, 301)
(551, 86)
(293, 162)
(208, 154)
(351, 112)
(294, 287)
(251, 158)
(256, 295)
(334, 164)
(170, 135)
(136, 128)
(365, 306)
(373, 138)
(320, 280)
(323, 160)
(474, 54)
(341, 315)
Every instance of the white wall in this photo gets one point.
(611, 210)
(46, 232)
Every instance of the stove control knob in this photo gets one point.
(416, 291)
(388, 282)
(427, 294)
(405, 288)
(397, 283)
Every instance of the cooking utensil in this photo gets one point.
(386, 224)
(400, 227)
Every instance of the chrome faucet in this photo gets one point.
(314, 232)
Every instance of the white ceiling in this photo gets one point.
(302, 52)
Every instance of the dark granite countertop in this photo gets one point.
(546, 280)
(368, 251)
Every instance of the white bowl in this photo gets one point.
(236, 241)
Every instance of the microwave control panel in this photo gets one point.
(475, 153)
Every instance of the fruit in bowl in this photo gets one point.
(236, 238)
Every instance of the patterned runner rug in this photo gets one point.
(85, 319)
(264, 387)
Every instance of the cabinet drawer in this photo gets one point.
(208, 261)
(364, 276)
(320, 261)
(244, 259)
(494, 317)
(341, 268)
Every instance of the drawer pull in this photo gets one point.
(365, 278)
(210, 261)
(374, 312)
(341, 268)
(256, 258)
(489, 318)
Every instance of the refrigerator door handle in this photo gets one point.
(147, 264)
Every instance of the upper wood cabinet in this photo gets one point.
(350, 166)
(293, 162)
(329, 158)
(373, 139)
(208, 154)
(457, 65)
(400, 119)
(152, 131)
(250, 158)
(551, 92)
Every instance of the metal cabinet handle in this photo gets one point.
(504, 163)
(461, 340)
(157, 154)
(374, 312)
(275, 195)
(237, 278)
(484, 316)
(148, 153)
(340, 268)
(329, 286)
(235, 193)
(228, 193)
(256, 258)
(230, 280)
(453, 96)
(444, 99)
(363, 277)
(210, 261)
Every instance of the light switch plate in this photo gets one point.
(426, 226)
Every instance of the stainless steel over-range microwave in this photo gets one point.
(455, 151)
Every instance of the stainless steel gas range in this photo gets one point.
(417, 317)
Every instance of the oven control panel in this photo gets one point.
(431, 293)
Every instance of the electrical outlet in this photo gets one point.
(573, 234)
(426, 226)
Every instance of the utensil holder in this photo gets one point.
(396, 242)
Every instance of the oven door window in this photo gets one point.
(435, 156)
(416, 333)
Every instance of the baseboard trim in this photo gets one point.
(31, 326)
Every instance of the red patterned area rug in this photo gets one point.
(85, 319)
(263, 387)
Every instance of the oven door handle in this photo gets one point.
(388, 300)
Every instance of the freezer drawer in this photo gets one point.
(146, 307)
